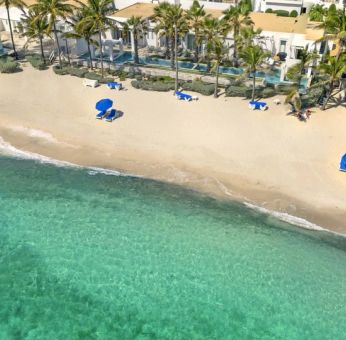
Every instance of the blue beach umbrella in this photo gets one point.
(104, 104)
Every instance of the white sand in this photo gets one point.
(215, 145)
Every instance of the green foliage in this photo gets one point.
(312, 97)
(238, 91)
(36, 61)
(284, 88)
(294, 14)
(150, 85)
(266, 92)
(282, 13)
(63, 70)
(93, 76)
(269, 10)
(8, 65)
(200, 87)
(77, 72)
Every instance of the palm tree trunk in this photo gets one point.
(235, 50)
(172, 52)
(196, 47)
(176, 57)
(328, 97)
(135, 42)
(208, 63)
(253, 84)
(89, 52)
(68, 52)
(167, 53)
(10, 25)
(57, 43)
(42, 53)
(101, 54)
(216, 79)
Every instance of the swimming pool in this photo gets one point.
(271, 77)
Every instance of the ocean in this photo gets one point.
(86, 254)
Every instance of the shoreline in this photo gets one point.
(171, 141)
(217, 191)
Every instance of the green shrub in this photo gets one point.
(266, 92)
(312, 97)
(294, 14)
(238, 91)
(77, 72)
(92, 76)
(105, 80)
(269, 10)
(36, 61)
(282, 13)
(8, 65)
(150, 85)
(200, 87)
(284, 88)
(60, 70)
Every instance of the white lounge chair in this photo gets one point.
(90, 82)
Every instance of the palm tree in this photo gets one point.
(163, 26)
(96, 19)
(248, 36)
(80, 31)
(12, 3)
(53, 10)
(237, 17)
(296, 73)
(317, 13)
(333, 70)
(176, 18)
(138, 27)
(215, 45)
(253, 56)
(195, 16)
(34, 26)
(335, 26)
(211, 29)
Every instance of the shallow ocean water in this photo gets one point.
(115, 257)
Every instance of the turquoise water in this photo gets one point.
(108, 257)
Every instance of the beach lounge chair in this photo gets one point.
(185, 96)
(112, 115)
(90, 83)
(343, 163)
(255, 105)
(113, 85)
(101, 114)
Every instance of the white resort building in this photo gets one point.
(285, 35)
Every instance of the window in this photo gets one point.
(283, 45)
(323, 47)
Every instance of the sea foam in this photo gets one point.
(282, 216)
(7, 149)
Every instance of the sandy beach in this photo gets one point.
(217, 146)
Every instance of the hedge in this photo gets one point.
(77, 72)
(60, 70)
(269, 10)
(200, 87)
(238, 91)
(36, 61)
(294, 14)
(8, 65)
(284, 88)
(282, 13)
(93, 76)
(150, 85)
